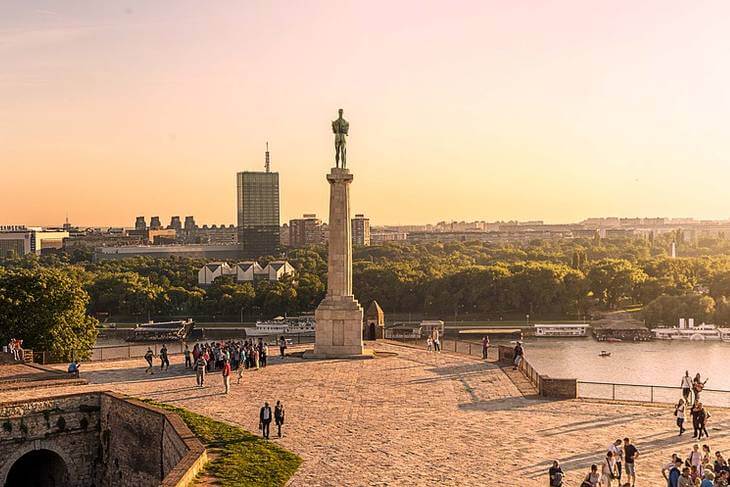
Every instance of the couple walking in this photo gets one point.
(265, 417)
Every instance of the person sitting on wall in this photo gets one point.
(73, 368)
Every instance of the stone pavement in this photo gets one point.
(415, 419)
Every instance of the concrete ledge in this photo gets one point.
(40, 384)
(366, 354)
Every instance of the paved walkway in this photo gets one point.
(414, 419)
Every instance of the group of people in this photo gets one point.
(15, 348)
(691, 390)
(699, 469)
(620, 460)
(227, 357)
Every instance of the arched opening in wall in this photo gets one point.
(38, 468)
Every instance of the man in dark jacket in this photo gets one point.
(279, 416)
(265, 420)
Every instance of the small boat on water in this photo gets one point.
(604, 354)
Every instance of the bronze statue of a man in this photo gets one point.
(340, 128)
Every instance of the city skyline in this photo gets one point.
(475, 111)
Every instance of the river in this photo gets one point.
(656, 362)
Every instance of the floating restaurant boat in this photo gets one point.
(161, 331)
(687, 330)
(561, 330)
(303, 325)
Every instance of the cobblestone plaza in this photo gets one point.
(412, 418)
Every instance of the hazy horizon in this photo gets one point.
(472, 110)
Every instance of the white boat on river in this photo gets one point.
(281, 325)
(687, 330)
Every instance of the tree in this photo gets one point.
(667, 310)
(47, 309)
(612, 280)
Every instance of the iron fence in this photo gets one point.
(647, 393)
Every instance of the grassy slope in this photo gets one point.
(240, 458)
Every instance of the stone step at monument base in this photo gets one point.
(341, 354)
(339, 328)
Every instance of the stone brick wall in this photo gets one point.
(66, 425)
(558, 388)
(549, 386)
(103, 438)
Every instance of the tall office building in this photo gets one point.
(360, 230)
(306, 231)
(140, 224)
(190, 223)
(258, 211)
(175, 223)
(155, 223)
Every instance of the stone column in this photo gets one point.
(339, 245)
(339, 315)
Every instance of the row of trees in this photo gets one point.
(546, 279)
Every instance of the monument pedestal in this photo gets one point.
(339, 328)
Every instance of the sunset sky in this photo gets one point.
(489, 110)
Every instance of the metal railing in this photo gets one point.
(137, 350)
(532, 375)
(450, 345)
(647, 393)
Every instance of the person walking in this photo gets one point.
(188, 361)
(698, 386)
(719, 464)
(685, 480)
(679, 413)
(436, 341)
(702, 417)
(672, 474)
(265, 420)
(279, 417)
(618, 457)
(608, 469)
(485, 347)
(282, 347)
(694, 459)
(264, 354)
(240, 374)
(519, 354)
(694, 412)
(686, 386)
(148, 356)
(555, 474)
(708, 480)
(226, 372)
(706, 459)
(164, 360)
(630, 455)
(200, 367)
(593, 478)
